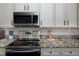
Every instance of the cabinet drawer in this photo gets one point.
(2, 54)
(2, 51)
(45, 51)
(51, 52)
(71, 52)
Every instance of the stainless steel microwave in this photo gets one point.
(26, 19)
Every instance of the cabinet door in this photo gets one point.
(70, 51)
(6, 14)
(60, 14)
(72, 14)
(51, 51)
(20, 7)
(45, 52)
(2, 52)
(33, 7)
(78, 13)
(47, 14)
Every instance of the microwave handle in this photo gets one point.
(24, 7)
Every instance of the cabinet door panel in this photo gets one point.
(45, 51)
(72, 14)
(71, 52)
(51, 52)
(6, 14)
(60, 14)
(20, 7)
(47, 14)
(2, 51)
(34, 7)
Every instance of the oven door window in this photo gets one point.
(22, 19)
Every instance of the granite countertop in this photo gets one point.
(60, 41)
(56, 43)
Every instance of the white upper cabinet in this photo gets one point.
(60, 13)
(6, 14)
(66, 14)
(20, 7)
(34, 7)
(78, 14)
(26, 6)
(72, 14)
(46, 15)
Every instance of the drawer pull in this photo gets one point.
(50, 52)
(70, 52)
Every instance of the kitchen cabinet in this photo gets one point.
(51, 51)
(6, 14)
(72, 14)
(20, 7)
(78, 13)
(2, 51)
(46, 14)
(66, 14)
(34, 7)
(60, 13)
(60, 51)
(70, 51)
(23, 7)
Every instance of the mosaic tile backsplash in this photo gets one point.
(63, 41)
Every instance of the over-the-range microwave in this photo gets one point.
(27, 19)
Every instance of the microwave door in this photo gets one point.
(28, 19)
(19, 19)
(22, 19)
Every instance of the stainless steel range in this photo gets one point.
(27, 44)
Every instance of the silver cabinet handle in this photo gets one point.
(28, 7)
(41, 22)
(24, 7)
(67, 22)
(64, 22)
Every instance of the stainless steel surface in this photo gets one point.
(23, 50)
(27, 24)
(25, 47)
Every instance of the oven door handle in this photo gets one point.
(24, 51)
